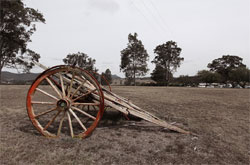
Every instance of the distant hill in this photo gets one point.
(25, 78)
(115, 77)
(8, 76)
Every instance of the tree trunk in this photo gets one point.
(169, 74)
(134, 78)
(1, 67)
(0, 75)
(166, 76)
(166, 82)
(134, 69)
(1, 59)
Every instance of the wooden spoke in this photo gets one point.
(75, 103)
(97, 102)
(82, 107)
(78, 88)
(60, 125)
(94, 107)
(71, 83)
(89, 92)
(86, 114)
(40, 102)
(43, 113)
(44, 92)
(79, 121)
(70, 125)
(52, 120)
(62, 84)
(81, 78)
(54, 87)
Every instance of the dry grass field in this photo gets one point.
(220, 117)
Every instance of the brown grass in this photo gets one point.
(219, 116)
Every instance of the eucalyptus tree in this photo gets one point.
(134, 58)
(167, 60)
(81, 60)
(17, 24)
(225, 65)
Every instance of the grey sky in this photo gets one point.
(204, 29)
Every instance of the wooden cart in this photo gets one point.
(70, 94)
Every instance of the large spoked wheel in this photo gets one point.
(65, 93)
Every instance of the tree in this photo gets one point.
(134, 58)
(209, 77)
(225, 65)
(168, 58)
(240, 75)
(185, 80)
(81, 60)
(158, 74)
(16, 27)
(107, 77)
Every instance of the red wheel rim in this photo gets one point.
(69, 90)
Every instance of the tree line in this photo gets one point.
(134, 60)
(227, 69)
(18, 24)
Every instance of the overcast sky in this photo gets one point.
(204, 29)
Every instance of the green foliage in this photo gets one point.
(225, 65)
(16, 27)
(106, 77)
(134, 58)
(81, 60)
(241, 74)
(167, 60)
(185, 80)
(159, 74)
(209, 77)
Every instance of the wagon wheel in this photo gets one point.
(61, 93)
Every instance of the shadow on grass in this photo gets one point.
(112, 120)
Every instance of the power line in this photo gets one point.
(153, 16)
(139, 11)
(160, 17)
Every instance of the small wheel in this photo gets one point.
(65, 92)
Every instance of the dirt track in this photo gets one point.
(219, 116)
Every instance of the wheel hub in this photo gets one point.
(63, 104)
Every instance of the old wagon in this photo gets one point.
(70, 93)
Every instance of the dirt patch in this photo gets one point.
(219, 116)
